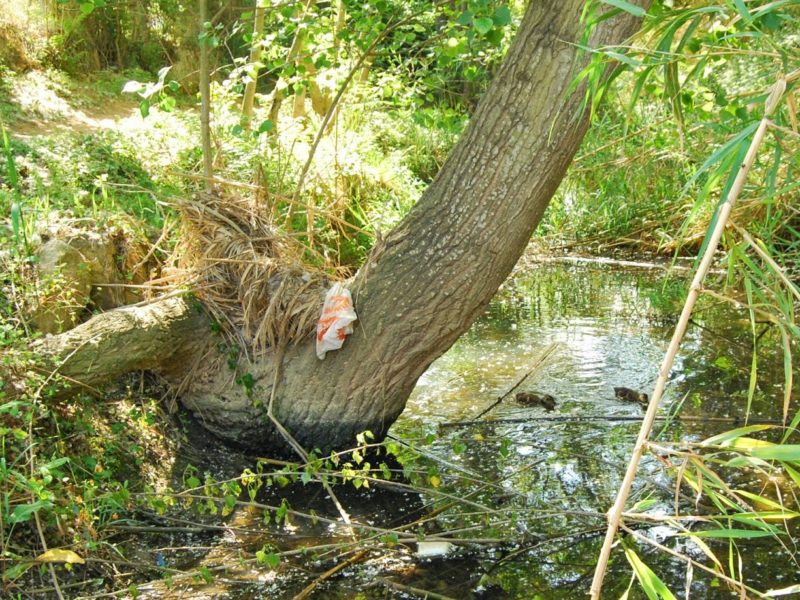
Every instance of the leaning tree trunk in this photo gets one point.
(423, 287)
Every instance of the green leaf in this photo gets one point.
(731, 533)
(483, 25)
(742, 9)
(725, 439)
(167, 103)
(23, 512)
(16, 221)
(502, 16)
(650, 582)
(144, 108)
(623, 58)
(793, 474)
(636, 11)
(788, 452)
(465, 18)
(726, 149)
(266, 126)
(11, 165)
(273, 560)
(87, 8)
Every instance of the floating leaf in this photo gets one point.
(58, 555)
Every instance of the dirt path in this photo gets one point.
(43, 106)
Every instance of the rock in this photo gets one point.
(74, 273)
(67, 284)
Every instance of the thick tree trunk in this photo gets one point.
(424, 286)
(438, 269)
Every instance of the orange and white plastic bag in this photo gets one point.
(336, 321)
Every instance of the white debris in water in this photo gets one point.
(430, 549)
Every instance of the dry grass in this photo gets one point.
(250, 275)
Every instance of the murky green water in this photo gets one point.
(521, 491)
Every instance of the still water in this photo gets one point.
(515, 494)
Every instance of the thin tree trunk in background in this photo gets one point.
(294, 51)
(255, 57)
(205, 97)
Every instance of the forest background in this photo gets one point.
(336, 115)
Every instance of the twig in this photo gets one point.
(413, 590)
(615, 513)
(536, 364)
(309, 589)
(153, 248)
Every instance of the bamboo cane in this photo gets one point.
(615, 513)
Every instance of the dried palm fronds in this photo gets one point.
(251, 275)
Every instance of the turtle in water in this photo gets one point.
(546, 401)
(630, 395)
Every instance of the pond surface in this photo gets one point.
(515, 498)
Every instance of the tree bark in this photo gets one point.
(422, 288)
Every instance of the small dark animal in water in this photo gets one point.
(546, 401)
(630, 395)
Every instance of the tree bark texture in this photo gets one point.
(435, 273)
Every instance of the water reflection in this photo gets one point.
(533, 485)
(610, 327)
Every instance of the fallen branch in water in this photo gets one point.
(412, 590)
(309, 589)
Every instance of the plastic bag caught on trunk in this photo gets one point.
(335, 323)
